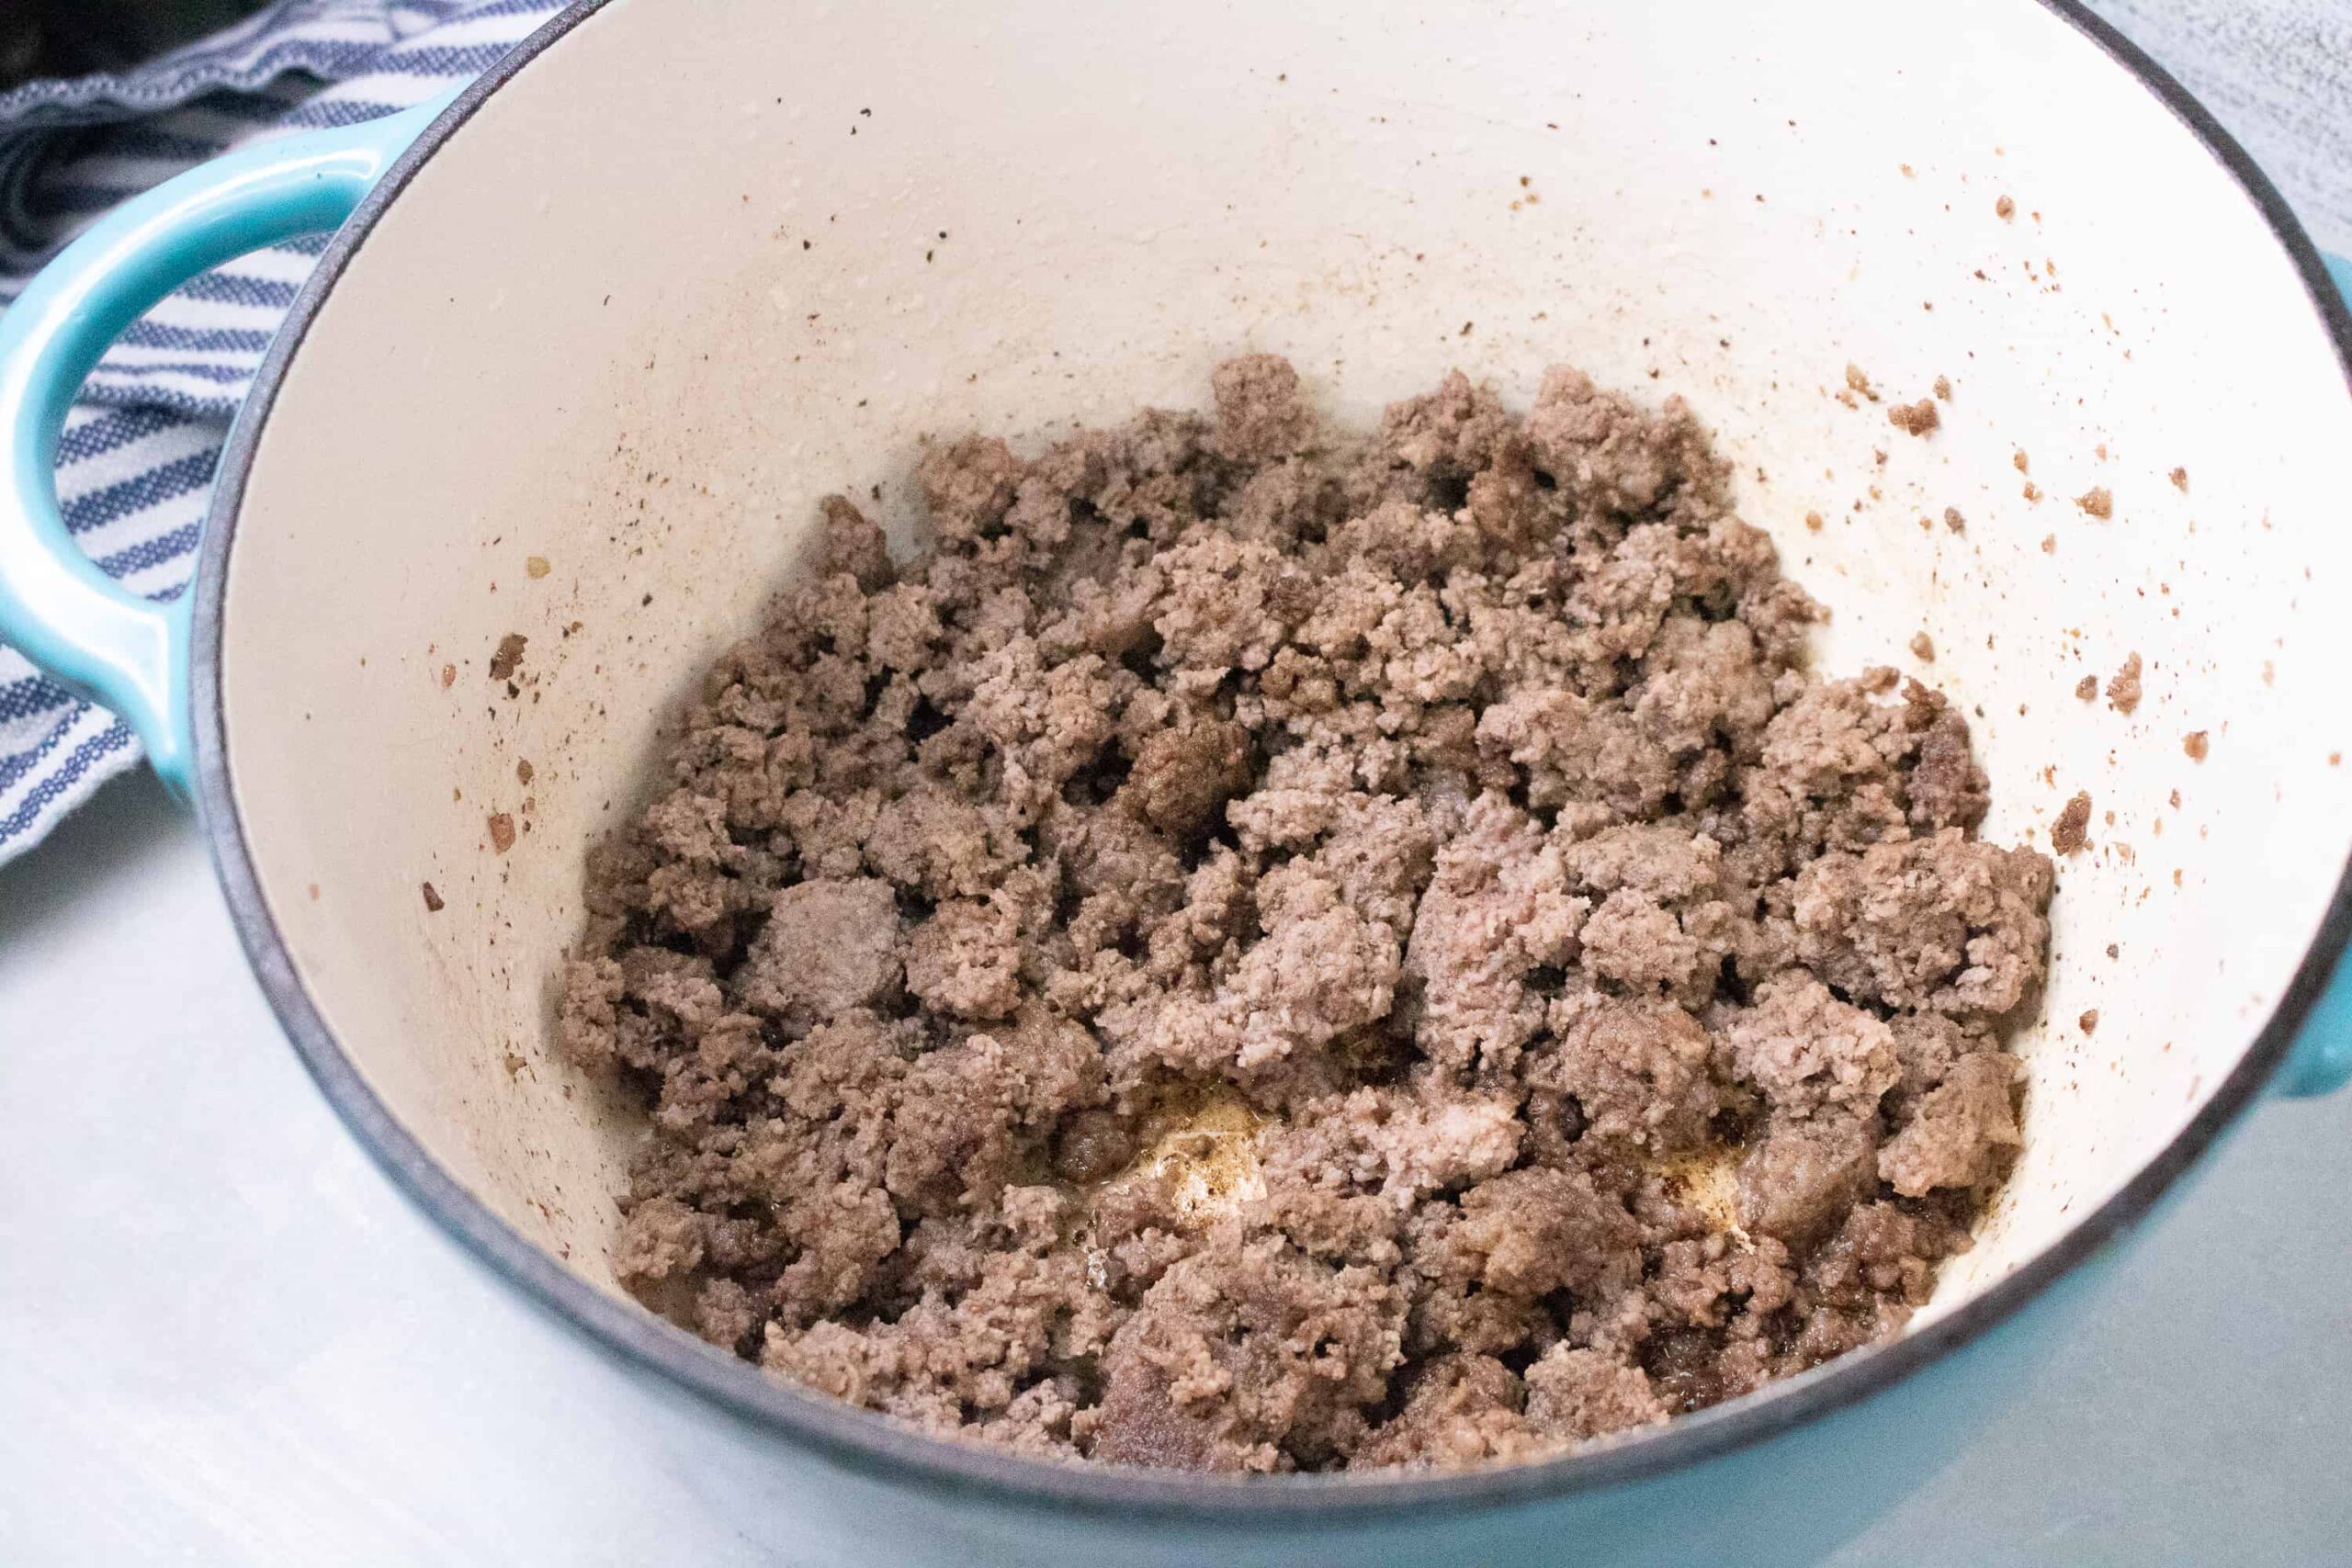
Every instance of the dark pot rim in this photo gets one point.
(875, 1444)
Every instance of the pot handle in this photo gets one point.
(90, 634)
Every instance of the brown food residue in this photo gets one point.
(523, 772)
(1274, 949)
(536, 567)
(2004, 208)
(2087, 688)
(2180, 479)
(2096, 501)
(1943, 388)
(502, 831)
(1955, 521)
(433, 905)
(1856, 380)
(2023, 464)
(2070, 832)
(1812, 521)
(2195, 744)
(448, 676)
(1914, 419)
(508, 657)
(1922, 647)
(2088, 1022)
(2123, 691)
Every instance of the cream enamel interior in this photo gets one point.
(685, 274)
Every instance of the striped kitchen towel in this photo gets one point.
(137, 459)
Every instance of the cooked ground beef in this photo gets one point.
(1269, 948)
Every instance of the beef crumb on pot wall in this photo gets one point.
(1271, 948)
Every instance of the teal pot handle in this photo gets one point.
(2321, 1061)
(92, 635)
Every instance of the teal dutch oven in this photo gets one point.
(593, 337)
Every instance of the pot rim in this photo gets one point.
(876, 1445)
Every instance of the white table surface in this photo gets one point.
(224, 1338)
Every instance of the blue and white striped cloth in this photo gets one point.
(140, 447)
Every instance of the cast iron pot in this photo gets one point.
(633, 301)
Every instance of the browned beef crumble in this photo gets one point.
(2123, 691)
(1914, 419)
(1273, 949)
(2071, 831)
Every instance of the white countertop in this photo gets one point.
(224, 1338)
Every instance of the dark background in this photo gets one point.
(72, 37)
